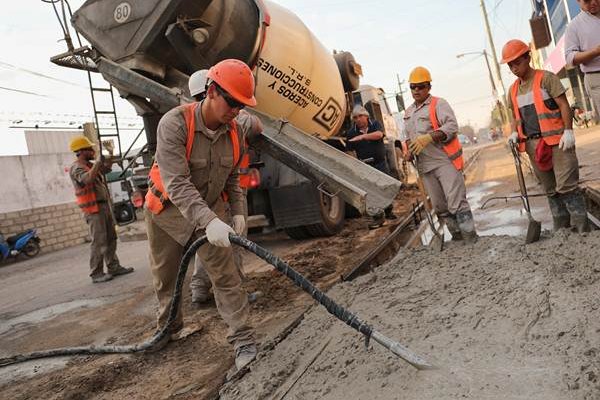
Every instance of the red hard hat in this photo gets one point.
(513, 49)
(236, 78)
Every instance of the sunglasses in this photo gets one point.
(231, 102)
(419, 86)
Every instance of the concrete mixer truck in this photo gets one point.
(147, 49)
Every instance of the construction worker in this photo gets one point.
(93, 198)
(365, 137)
(199, 148)
(200, 284)
(582, 47)
(431, 129)
(542, 127)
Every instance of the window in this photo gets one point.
(558, 18)
(574, 8)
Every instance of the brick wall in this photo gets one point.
(58, 226)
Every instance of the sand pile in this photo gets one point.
(500, 320)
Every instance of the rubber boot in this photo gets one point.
(575, 203)
(452, 225)
(560, 215)
(466, 226)
(377, 221)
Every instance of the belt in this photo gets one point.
(531, 137)
(592, 72)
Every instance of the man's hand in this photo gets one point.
(357, 138)
(513, 138)
(217, 233)
(239, 224)
(567, 140)
(418, 145)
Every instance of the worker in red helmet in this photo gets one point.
(194, 190)
(543, 127)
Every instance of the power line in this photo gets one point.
(14, 67)
(23, 91)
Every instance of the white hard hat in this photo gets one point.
(360, 110)
(197, 82)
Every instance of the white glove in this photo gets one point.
(514, 137)
(217, 233)
(567, 140)
(239, 223)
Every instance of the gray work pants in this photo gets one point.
(564, 175)
(592, 87)
(445, 186)
(103, 249)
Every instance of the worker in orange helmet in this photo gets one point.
(199, 149)
(431, 129)
(543, 127)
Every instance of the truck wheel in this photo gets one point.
(298, 232)
(31, 249)
(333, 211)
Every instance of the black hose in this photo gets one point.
(157, 341)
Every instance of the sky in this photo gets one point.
(387, 37)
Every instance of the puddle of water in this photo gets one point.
(50, 312)
(476, 194)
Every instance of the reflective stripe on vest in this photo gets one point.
(86, 197)
(551, 123)
(453, 149)
(157, 196)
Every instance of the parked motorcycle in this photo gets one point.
(26, 242)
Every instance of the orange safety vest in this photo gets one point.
(551, 122)
(453, 149)
(86, 197)
(157, 196)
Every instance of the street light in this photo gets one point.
(492, 82)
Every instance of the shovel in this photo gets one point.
(534, 228)
(437, 242)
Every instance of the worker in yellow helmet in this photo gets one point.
(431, 130)
(93, 198)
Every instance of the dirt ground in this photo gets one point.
(194, 367)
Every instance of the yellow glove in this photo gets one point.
(421, 141)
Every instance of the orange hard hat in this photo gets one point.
(236, 78)
(512, 50)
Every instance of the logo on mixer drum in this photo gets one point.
(329, 114)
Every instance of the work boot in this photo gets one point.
(200, 295)
(377, 221)
(101, 278)
(244, 355)
(466, 226)
(120, 270)
(389, 213)
(575, 203)
(560, 215)
(452, 225)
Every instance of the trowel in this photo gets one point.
(534, 228)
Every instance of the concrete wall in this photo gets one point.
(35, 181)
(58, 226)
(49, 142)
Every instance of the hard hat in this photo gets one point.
(197, 82)
(419, 75)
(360, 110)
(513, 49)
(236, 78)
(80, 142)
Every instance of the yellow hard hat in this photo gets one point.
(80, 142)
(419, 75)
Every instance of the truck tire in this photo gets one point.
(298, 233)
(333, 212)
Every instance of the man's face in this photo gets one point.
(420, 91)
(361, 121)
(591, 6)
(225, 107)
(520, 66)
(88, 154)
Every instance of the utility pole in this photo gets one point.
(502, 94)
(399, 96)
